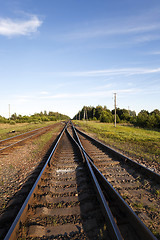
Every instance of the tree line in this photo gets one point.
(35, 118)
(102, 114)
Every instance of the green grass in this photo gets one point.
(157, 192)
(43, 139)
(133, 141)
(138, 205)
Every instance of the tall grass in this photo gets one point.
(136, 142)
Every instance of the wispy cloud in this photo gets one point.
(108, 72)
(87, 94)
(20, 99)
(102, 87)
(154, 53)
(145, 23)
(13, 27)
(108, 30)
(146, 38)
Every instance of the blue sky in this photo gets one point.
(59, 55)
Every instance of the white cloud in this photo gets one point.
(10, 27)
(44, 93)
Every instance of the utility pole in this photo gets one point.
(115, 109)
(128, 111)
(79, 115)
(93, 112)
(84, 116)
(9, 112)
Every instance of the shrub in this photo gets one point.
(12, 122)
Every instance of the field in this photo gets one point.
(135, 142)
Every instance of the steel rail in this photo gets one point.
(141, 228)
(11, 234)
(114, 231)
(20, 141)
(12, 144)
(151, 174)
(6, 139)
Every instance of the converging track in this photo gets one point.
(71, 199)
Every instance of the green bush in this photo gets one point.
(12, 122)
(106, 117)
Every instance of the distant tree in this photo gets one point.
(133, 120)
(106, 117)
(93, 113)
(132, 113)
(14, 116)
(3, 119)
(45, 112)
(151, 122)
(89, 112)
(123, 114)
(51, 114)
(94, 119)
(142, 118)
(98, 111)
(155, 118)
(45, 118)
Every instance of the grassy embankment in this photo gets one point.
(132, 141)
(8, 130)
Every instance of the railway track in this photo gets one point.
(138, 185)
(18, 162)
(71, 199)
(15, 140)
